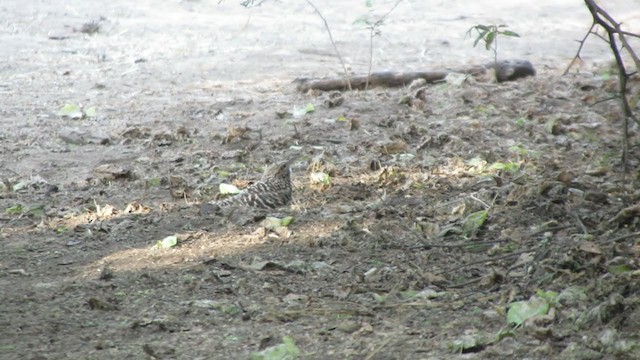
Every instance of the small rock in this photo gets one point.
(348, 326)
(77, 136)
(417, 83)
(563, 142)
(508, 70)
(73, 136)
(112, 172)
(396, 147)
(233, 154)
(294, 299)
(135, 133)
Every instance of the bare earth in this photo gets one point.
(381, 261)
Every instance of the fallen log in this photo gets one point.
(505, 70)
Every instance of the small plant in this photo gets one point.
(489, 35)
(373, 25)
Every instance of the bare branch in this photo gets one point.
(577, 56)
(613, 34)
(612, 27)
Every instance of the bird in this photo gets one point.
(271, 192)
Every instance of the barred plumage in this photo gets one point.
(271, 192)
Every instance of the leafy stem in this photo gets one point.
(489, 34)
(374, 26)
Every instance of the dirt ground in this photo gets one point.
(390, 256)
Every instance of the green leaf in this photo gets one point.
(228, 189)
(518, 149)
(512, 167)
(168, 242)
(71, 111)
(342, 118)
(16, 209)
(320, 178)
(509, 33)
(619, 269)
(481, 35)
(301, 112)
(310, 108)
(474, 222)
(272, 223)
(90, 112)
(550, 296)
(286, 221)
(520, 311)
(285, 351)
(509, 167)
(489, 39)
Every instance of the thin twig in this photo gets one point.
(626, 33)
(577, 56)
(371, 33)
(466, 283)
(623, 237)
(551, 229)
(604, 100)
(616, 29)
(487, 206)
(494, 259)
(457, 245)
(377, 350)
(333, 43)
(578, 220)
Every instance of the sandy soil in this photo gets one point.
(382, 261)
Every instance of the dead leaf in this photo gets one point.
(590, 247)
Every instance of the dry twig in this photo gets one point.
(493, 259)
(333, 43)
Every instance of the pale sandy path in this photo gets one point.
(156, 60)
